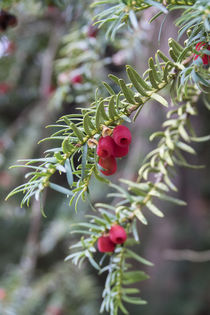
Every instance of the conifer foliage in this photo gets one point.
(100, 134)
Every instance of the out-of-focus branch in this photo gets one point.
(186, 254)
(32, 246)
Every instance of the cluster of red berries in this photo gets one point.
(111, 147)
(199, 47)
(116, 235)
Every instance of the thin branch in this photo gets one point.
(187, 254)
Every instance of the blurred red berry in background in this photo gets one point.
(199, 47)
(4, 88)
(2, 294)
(77, 79)
(92, 31)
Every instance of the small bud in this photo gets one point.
(92, 143)
(120, 151)
(106, 131)
(122, 136)
(117, 234)
(109, 164)
(105, 147)
(199, 47)
(105, 245)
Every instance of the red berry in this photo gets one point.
(117, 234)
(76, 79)
(109, 164)
(105, 245)
(120, 151)
(106, 146)
(205, 58)
(122, 136)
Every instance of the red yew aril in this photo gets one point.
(109, 164)
(199, 47)
(122, 136)
(105, 245)
(117, 234)
(106, 146)
(120, 151)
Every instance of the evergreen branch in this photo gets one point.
(118, 13)
(159, 163)
(76, 130)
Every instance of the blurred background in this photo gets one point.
(50, 64)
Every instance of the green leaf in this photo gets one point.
(154, 70)
(84, 158)
(176, 201)
(154, 209)
(185, 147)
(200, 139)
(114, 78)
(100, 115)
(141, 217)
(122, 308)
(77, 132)
(130, 277)
(61, 189)
(100, 178)
(135, 82)
(92, 261)
(133, 300)
(157, 5)
(138, 258)
(87, 125)
(111, 108)
(67, 146)
(152, 80)
(128, 93)
(69, 174)
(59, 157)
(159, 99)
(183, 133)
(163, 56)
(109, 89)
(67, 121)
(141, 186)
